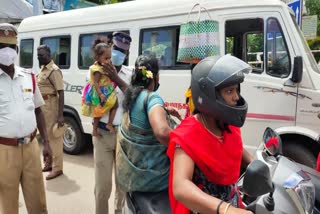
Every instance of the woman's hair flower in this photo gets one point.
(149, 75)
(146, 74)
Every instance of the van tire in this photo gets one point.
(299, 153)
(73, 139)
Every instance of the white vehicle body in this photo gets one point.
(273, 100)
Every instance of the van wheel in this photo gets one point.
(299, 153)
(73, 139)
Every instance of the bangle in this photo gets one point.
(219, 205)
(226, 209)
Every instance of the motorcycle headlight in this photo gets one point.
(303, 196)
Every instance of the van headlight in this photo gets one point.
(303, 196)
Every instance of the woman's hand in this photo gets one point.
(111, 71)
(174, 112)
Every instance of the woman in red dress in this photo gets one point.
(206, 150)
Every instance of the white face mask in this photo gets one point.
(7, 56)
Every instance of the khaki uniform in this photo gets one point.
(20, 164)
(104, 150)
(50, 81)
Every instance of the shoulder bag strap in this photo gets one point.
(145, 102)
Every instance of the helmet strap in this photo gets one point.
(223, 126)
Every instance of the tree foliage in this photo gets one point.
(98, 1)
(255, 42)
(313, 8)
(314, 44)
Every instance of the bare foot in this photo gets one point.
(110, 127)
(95, 133)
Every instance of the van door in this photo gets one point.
(262, 41)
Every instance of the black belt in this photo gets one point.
(103, 126)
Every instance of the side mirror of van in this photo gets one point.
(297, 69)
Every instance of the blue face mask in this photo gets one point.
(117, 57)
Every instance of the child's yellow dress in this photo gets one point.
(190, 104)
(91, 103)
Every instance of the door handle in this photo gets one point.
(317, 105)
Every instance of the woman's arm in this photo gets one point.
(174, 112)
(185, 191)
(189, 194)
(247, 158)
(159, 124)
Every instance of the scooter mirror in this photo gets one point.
(257, 180)
(272, 141)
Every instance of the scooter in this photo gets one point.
(147, 203)
(275, 184)
(271, 184)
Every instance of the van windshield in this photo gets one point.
(306, 47)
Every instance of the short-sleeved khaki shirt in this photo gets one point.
(18, 102)
(50, 79)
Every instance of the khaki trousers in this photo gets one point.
(104, 163)
(50, 110)
(21, 164)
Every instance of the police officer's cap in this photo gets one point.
(8, 34)
(121, 40)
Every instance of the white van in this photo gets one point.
(282, 91)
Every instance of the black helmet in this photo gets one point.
(210, 75)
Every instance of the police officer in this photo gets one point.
(20, 113)
(105, 146)
(51, 87)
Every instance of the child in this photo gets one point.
(189, 101)
(99, 96)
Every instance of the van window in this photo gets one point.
(26, 53)
(85, 54)
(162, 43)
(278, 54)
(244, 40)
(60, 47)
